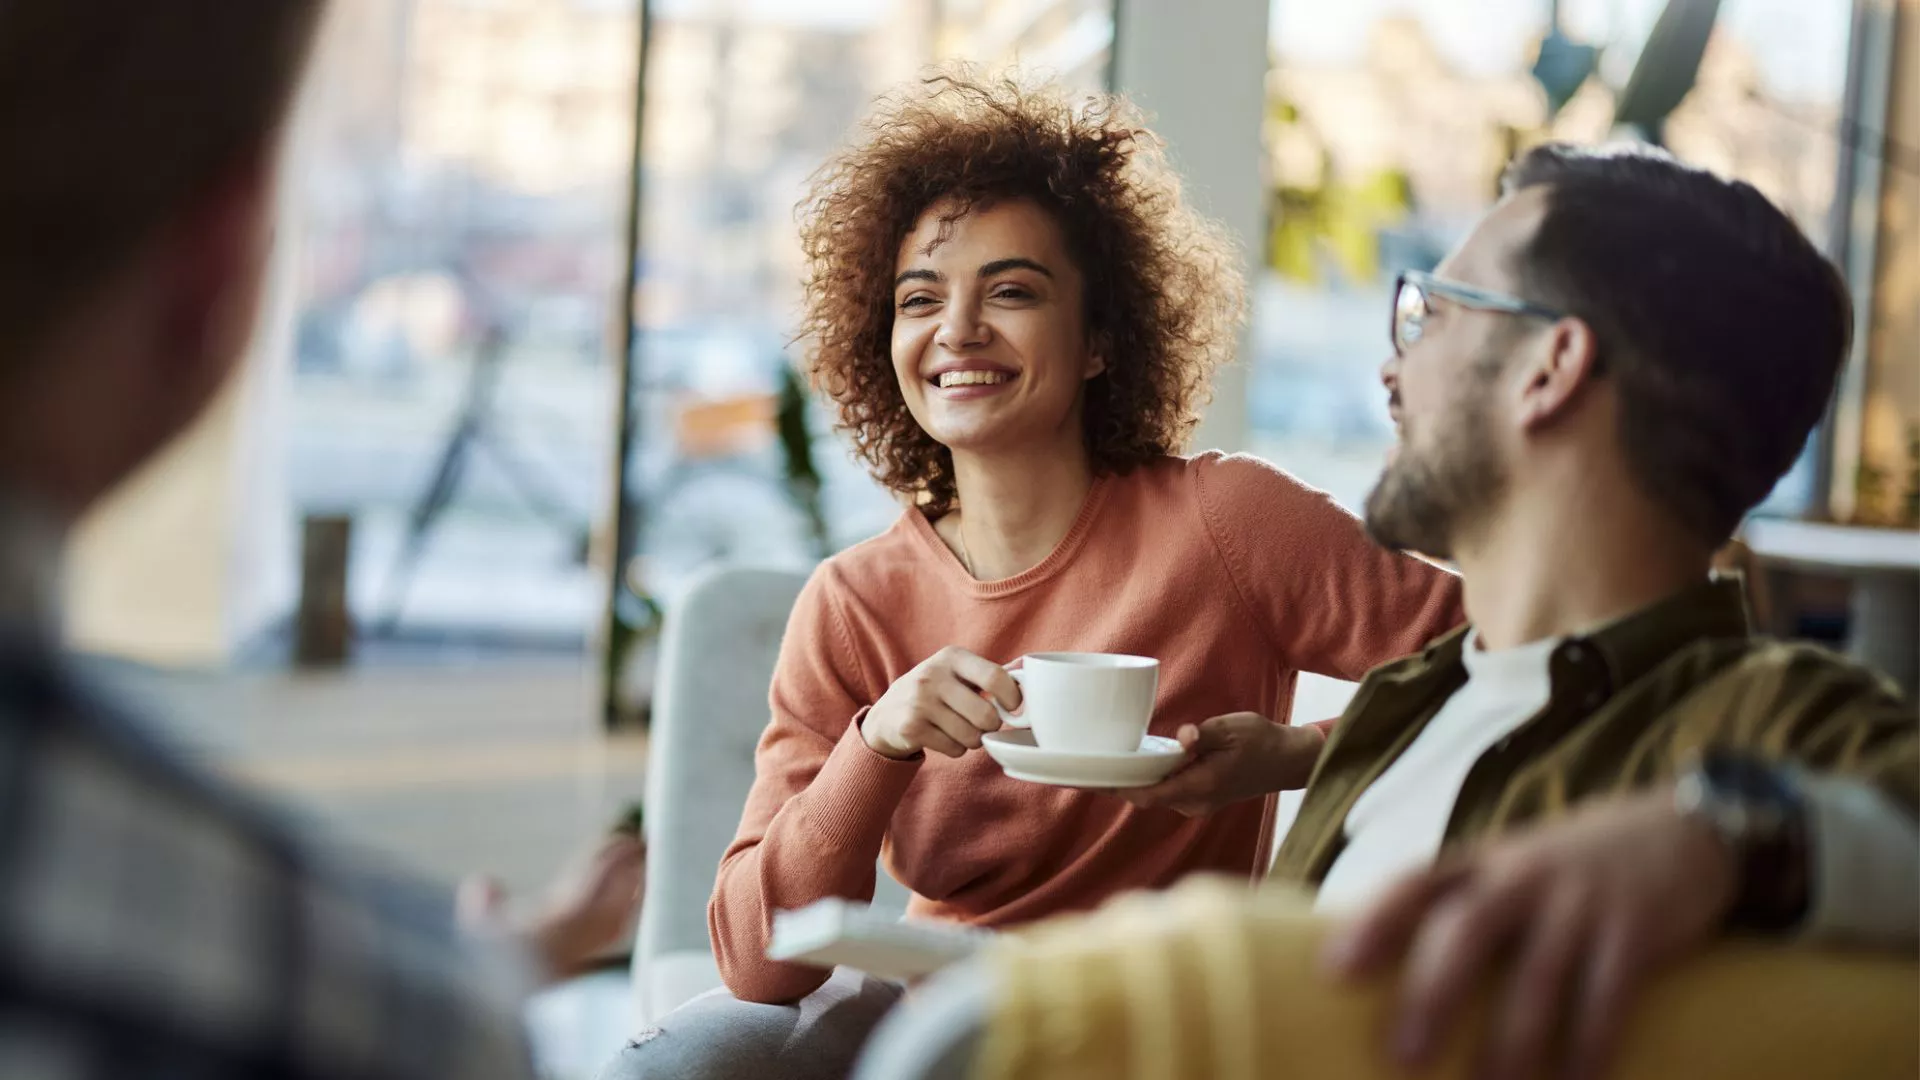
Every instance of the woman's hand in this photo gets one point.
(938, 706)
(1231, 758)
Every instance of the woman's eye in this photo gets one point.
(912, 302)
(1011, 292)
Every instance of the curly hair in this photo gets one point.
(1164, 289)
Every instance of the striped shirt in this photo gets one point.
(155, 923)
(1630, 707)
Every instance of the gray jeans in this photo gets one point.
(718, 1037)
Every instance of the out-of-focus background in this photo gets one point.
(526, 368)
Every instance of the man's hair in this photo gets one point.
(114, 116)
(1719, 323)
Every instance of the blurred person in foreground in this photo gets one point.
(154, 922)
(1018, 316)
(1606, 770)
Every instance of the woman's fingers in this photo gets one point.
(977, 712)
(935, 739)
(986, 676)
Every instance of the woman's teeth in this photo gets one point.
(973, 378)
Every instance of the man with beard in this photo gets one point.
(1605, 770)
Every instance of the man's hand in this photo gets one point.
(1230, 758)
(585, 912)
(591, 905)
(1586, 909)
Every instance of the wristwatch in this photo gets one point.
(1756, 810)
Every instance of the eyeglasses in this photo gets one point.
(1411, 306)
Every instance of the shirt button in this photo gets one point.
(1576, 652)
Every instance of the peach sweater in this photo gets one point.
(1235, 575)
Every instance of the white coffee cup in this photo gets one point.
(1086, 702)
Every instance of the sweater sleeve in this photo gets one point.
(1854, 742)
(819, 807)
(1329, 600)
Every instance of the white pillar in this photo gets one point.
(1199, 68)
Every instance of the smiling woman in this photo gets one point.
(1019, 319)
(991, 350)
(1147, 282)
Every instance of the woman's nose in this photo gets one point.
(962, 328)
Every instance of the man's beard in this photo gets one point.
(1422, 502)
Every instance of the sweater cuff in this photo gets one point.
(1864, 880)
(852, 799)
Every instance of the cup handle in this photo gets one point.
(1006, 717)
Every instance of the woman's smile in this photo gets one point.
(966, 380)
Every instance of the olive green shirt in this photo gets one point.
(1632, 705)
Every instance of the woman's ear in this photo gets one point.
(1096, 363)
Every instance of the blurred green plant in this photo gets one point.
(1870, 484)
(1336, 223)
(637, 614)
(1880, 497)
(636, 624)
(1317, 219)
(799, 474)
(631, 822)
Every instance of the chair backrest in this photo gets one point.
(717, 652)
(718, 648)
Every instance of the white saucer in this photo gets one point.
(1021, 758)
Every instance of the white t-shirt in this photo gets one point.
(1397, 825)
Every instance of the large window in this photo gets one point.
(461, 190)
(463, 195)
(1388, 123)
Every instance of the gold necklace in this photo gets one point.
(966, 557)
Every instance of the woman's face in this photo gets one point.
(990, 341)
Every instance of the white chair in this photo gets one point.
(718, 648)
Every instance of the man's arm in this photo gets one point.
(1589, 907)
(1863, 865)
(1585, 908)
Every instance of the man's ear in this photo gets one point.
(212, 259)
(1561, 363)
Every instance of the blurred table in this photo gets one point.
(1883, 566)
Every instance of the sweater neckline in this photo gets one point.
(1063, 552)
